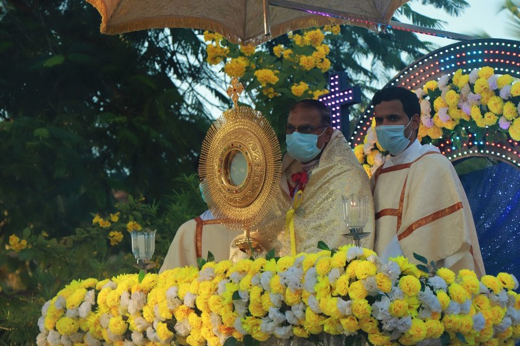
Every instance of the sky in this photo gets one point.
(482, 15)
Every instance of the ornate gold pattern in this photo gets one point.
(234, 90)
(243, 130)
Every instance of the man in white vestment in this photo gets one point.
(419, 201)
(319, 168)
(195, 238)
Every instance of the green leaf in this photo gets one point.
(53, 61)
(231, 341)
(26, 233)
(41, 133)
(270, 254)
(445, 339)
(461, 337)
(323, 246)
(420, 258)
(200, 262)
(211, 258)
(141, 275)
(249, 341)
(423, 286)
(236, 296)
(423, 268)
(434, 267)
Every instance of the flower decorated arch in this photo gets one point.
(470, 103)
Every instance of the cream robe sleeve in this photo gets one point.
(437, 222)
(182, 251)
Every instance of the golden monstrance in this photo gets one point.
(240, 163)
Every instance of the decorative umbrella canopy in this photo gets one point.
(240, 21)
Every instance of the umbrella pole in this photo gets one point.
(267, 25)
(328, 12)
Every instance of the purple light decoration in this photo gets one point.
(339, 98)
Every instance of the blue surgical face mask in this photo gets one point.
(391, 137)
(202, 193)
(303, 147)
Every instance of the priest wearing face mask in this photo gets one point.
(419, 201)
(318, 169)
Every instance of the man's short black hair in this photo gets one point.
(408, 98)
(318, 105)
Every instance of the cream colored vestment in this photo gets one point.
(195, 238)
(320, 216)
(421, 207)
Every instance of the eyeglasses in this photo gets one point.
(305, 129)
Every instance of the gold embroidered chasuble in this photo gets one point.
(421, 207)
(195, 238)
(320, 216)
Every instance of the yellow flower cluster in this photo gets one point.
(299, 89)
(266, 76)
(115, 237)
(98, 220)
(346, 292)
(236, 67)
(133, 226)
(16, 244)
(216, 53)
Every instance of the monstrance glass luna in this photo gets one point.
(355, 214)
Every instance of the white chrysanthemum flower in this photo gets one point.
(276, 299)
(354, 252)
(465, 307)
(41, 339)
(425, 313)
(54, 338)
(514, 277)
(255, 280)
(60, 303)
(291, 318)
(420, 93)
(479, 322)
(473, 76)
(314, 305)
(443, 114)
(299, 310)
(474, 99)
(45, 307)
(236, 277)
(267, 326)
(443, 81)
(155, 323)
(431, 301)
(152, 335)
(310, 280)
(90, 340)
(514, 315)
(110, 284)
(72, 313)
(438, 283)
(104, 319)
(157, 313)
(380, 309)
(265, 280)
(137, 338)
(238, 326)
(221, 288)
(506, 323)
(404, 324)
(207, 274)
(392, 270)
(183, 327)
(427, 120)
(426, 107)
(466, 108)
(277, 316)
(172, 303)
(483, 289)
(453, 308)
(244, 295)
(128, 343)
(114, 337)
(141, 324)
(379, 159)
(41, 324)
(240, 307)
(125, 300)
(370, 285)
(464, 92)
(284, 332)
(298, 262)
(189, 299)
(396, 293)
(505, 92)
(492, 81)
(84, 309)
(344, 307)
(334, 275)
(65, 341)
(371, 137)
